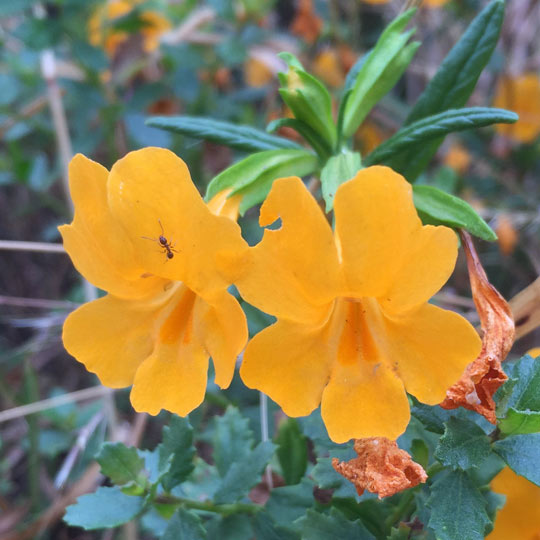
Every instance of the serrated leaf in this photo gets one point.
(522, 454)
(463, 445)
(107, 507)
(243, 475)
(326, 477)
(431, 417)
(453, 83)
(233, 527)
(184, 525)
(291, 451)
(253, 176)
(177, 449)
(236, 136)
(120, 463)
(525, 392)
(425, 130)
(436, 207)
(458, 509)
(379, 72)
(286, 504)
(267, 529)
(332, 526)
(232, 439)
(338, 169)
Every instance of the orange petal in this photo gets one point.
(111, 337)
(96, 243)
(293, 272)
(519, 519)
(174, 376)
(152, 194)
(381, 468)
(291, 363)
(484, 375)
(223, 329)
(375, 220)
(429, 349)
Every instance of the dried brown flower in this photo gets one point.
(307, 24)
(381, 467)
(485, 375)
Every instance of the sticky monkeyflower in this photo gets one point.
(103, 33)
(354, 330)
(142, 233)
(519, 519)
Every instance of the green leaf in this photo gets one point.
(332, 526)
(232, 439)
(120, 463)
(184, 525)
(241, 137)
(401, 533)
(416, 135)
(326, 477)
(291, 451)
(107, 507)
(520, 422)
(458, 509)
(432, 418)
(233, 527)
(308, 99)
(243, 475)
(286, 504)
(456, 78)
(453, 83)
(308, 133)
(463, 445)
(379, 72)
(176, 448)
(338, 169)
(522, 454)
(436, 207)
(267, 529)
(253, 176)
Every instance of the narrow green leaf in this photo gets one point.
(463, 445)
(437, 207)
(520, 422)
(177, 446)
(106, 508)
(292, 451)
(253, 176)
(425, 130)
(522, 454)
(456, 78)
(458, 509)
(243, 475)
(379, 72)
(184, 525)
(241, 137)
(120, 463)
(338, 169)
(332, 526)
(232, 439)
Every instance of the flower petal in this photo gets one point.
(223, 330)
(290, 363)
(375, 218)
(98, 247)
(430, 349)
(293, 273)
(111, 337)
(151, 192)
(174, 376)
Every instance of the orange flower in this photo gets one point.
(142, 233)
(101, 29)
(328, 68)
(457, 158)
(519, 519)
(354, 329)
(257, 72)
(426, 3)
(307, 24)
(522, 95)
(534, 352)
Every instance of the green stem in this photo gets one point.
(208, 506)
(403, 509)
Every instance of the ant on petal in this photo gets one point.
(168, 247)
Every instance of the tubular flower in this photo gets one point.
(142, 233)
(354, 329)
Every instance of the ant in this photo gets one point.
(168, 247)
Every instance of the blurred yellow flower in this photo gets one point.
(328, 68)
(427, 3)
(257, 72)
(354, 330)
(519, 519)
(521, 95)
(142, 233)
(102, 33)
(534, 352)
(457, 158)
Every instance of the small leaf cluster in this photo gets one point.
(175, 493)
